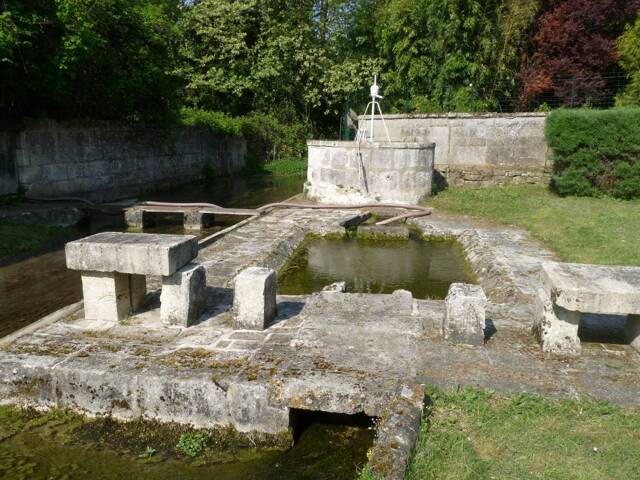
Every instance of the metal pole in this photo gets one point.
(374, 92)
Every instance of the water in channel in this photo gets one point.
(52, 446)
(41, 284)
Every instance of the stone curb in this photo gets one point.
(397, 433)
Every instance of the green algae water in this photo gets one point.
(424, 267)
(56, 446)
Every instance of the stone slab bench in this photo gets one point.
(113, 267)
(570, 289)
(194, 218)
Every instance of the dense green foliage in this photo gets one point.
(289, 68)
(629, 50)
(429, 69)
(595, 151)
(579, 229)
(268, 139)
(84, 58)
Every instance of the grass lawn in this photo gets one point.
(579, 229)
(286, 166)
(475, 434)
(21, 239)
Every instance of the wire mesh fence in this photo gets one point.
(546, 93)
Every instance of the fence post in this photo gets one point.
(573, 91)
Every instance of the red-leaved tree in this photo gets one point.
(572, 58)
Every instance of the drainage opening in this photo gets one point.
(302, 421)
(598, 328)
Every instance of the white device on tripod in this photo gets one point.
(375, 95)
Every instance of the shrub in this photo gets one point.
(595, 152)
(268, 139)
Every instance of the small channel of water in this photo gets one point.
(424, 267)
(34, 287)
(48, 447)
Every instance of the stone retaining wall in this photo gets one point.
(348, 172)
(107, 160)
(480, 149)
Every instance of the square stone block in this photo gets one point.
(112, 296)
(464, 319)
(184, 295)
(254, 298)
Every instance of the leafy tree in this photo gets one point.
(89, 58)
(290, 58)
(572, 59)
(452, 55)
(629, 52)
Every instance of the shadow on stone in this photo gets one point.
(600, 328)
(489, 330)
(219, 300)
(287, 310)
(440, 182)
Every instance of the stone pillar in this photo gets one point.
(464, 318)
(196, 220)
(136, 218)
(633, 331)
(560, 335)
(254, 298)
(184, 295)
(112, 296)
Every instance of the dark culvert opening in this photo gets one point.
(300, 420)
(597, 328)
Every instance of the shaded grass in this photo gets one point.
(578, 229)
(475, 434)
(287, 166)
(23, 239)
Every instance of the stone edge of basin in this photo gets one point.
(367, 144)
(398, 432)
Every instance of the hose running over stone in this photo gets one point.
(420, 210)
(185, 205)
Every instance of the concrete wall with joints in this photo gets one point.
(478, 148)
(107, 160)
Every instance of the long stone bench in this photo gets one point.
(568, 290)
(113, 267)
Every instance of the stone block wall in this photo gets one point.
(478, 149)
(108, 160)
(348, 172)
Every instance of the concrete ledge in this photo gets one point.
(593, 288)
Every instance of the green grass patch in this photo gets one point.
(287, 166)
(579, 229)
(475, 434)
(23, 239)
